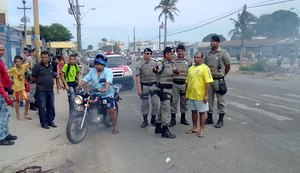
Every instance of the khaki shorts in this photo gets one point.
(20, 95)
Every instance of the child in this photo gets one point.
(18, 75)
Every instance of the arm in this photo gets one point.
(227, 69)
(62, 76)
(138, 85)
(205, 99)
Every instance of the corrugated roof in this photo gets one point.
(62, 44)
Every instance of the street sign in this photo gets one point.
(25, 19)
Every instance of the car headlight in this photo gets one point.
(78, 100)
(128, 73)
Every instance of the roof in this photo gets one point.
(62, 44)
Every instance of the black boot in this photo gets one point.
(183, 120)
(173, 120)
(158, 128)
(220, 121)
(153, 120)
(32, 107)
(166, 133)
(145, 122)
(209, 119)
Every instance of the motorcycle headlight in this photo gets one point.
(78, 100)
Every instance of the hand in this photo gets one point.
(67, 87)
(205, 99)
(9, 101)
(176, 71)
(102, 90)
(139, 92)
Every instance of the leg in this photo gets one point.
(211, 99)
(50, 108)
(71, 98)
(41, 103)
(194, 129)
(145, 105)
(154, 104)
(17, 108)
(174, 103)
(221, 110)
(165, 113)
(183, 108)
(201, 122)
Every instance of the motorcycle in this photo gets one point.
(91, 109)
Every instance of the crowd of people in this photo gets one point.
(193, 84)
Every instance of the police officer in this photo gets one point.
(218, 60)
(145, 86)
(165, 71)
(183, 65)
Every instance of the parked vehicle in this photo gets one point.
(121, 70)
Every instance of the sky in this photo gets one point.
(115, 19)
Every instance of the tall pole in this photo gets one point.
(24, 20)
(134, 41)
(159, 38)
(36, 28)
(78, 21)
(165, 38)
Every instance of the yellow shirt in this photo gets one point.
(18, 77)
(197, 78)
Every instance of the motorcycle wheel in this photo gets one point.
(74, 134)
(106, 118)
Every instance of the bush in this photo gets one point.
(262, 66)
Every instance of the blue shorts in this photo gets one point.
(109, 103)
(197, 105)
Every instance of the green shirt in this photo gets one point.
(71, 75)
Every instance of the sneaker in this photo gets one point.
(52, 125)
(11, 137)
(6, 142)
(45, 126)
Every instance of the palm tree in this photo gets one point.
(243, 28)
(168, 9)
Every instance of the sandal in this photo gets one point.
(190, 131)
(28, 117)
(115, 131)
(201, 134)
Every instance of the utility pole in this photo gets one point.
(134, 42)
(24, 20)
(36, 28)
(78, 21)
(243, 15)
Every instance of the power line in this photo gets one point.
(261, 4)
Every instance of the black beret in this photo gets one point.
(147, 50)
(215, 38)
(180, 47)
(168, 49)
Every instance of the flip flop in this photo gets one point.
(190, 131)
(115, 131)
(28, 117)
(201, 134)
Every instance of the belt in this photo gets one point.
(218, 78)
(179, 82)
(166, 86)
(148, 84)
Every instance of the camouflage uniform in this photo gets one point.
(179, 90)
(216, 61)
(148, 87)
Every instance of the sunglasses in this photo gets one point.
(148, 53)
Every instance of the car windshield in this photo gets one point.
(116, 61)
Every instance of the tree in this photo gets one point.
(168, 9)
(208, 38)
(55, 32)
(103, 39)
(281, 23)
(90, 47)
(243, 28)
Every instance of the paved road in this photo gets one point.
(261, 134)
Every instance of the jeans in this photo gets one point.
(71, 97)
(45, 103)
(4, 117)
